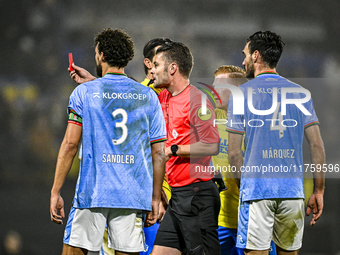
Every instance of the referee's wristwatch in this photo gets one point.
(174, 149)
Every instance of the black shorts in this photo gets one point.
(191, 221)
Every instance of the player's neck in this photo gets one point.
(264, 69)
(111, 69)
(178, 85)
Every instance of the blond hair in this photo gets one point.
(234, 72)
(230, 69)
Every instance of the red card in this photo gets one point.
(70, 60)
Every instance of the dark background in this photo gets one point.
(37, 35)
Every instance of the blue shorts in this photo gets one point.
(150, 236)
(227, 237)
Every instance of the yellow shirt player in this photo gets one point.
(228, 217)
(149, 83)
(229, 198)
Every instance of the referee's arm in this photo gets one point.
(198, 149)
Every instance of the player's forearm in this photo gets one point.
(198, 149)
(65, 159)
(158, 162)
(318, 157)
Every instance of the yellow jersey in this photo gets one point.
(146, 82)
(228, 216)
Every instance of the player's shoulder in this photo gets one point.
(249, 83)
(290, 83)
(80, 89)
(145, 82)
(277, 80)
(89, 84)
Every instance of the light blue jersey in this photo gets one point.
(273, 162)
(121, 119)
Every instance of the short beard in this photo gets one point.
(250, 73)
(99, 71)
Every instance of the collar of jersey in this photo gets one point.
(115, 73)
(268, 72)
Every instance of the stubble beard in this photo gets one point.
(159, 83)
(99, 70)
(250, 71)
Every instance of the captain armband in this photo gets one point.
(75, 119)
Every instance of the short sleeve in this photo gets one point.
(157, 129)
(76, 102)
(310, 120)
(203, 122)
(235, 122)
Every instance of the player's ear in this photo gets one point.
(255, 56)
(102, 58)
(148, 63)
(173, 68)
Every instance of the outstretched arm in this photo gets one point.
(318, 157)
(80, 75)
(68, 150)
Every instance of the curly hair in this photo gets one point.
(116, 46)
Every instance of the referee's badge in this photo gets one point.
(206, 116)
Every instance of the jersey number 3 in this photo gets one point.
(121, 125)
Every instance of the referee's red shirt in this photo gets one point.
(186, 125)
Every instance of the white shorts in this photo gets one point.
(85, 229)
(280, 220)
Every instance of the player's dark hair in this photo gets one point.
(116, 46)
(178, 53)
(269, 44)
(149, 49)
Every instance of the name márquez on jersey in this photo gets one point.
(118, 159)
(278, 153)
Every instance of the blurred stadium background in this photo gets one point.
(37, 35)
